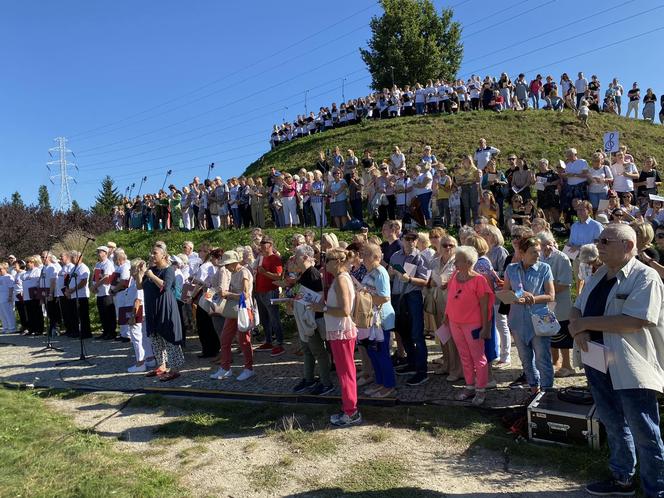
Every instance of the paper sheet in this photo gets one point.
(443, 333)
(603, 205)
(409, 269)
(596, 357)
(541, 180)
(654, 197)
(506, 296)
(570, 253)
(650, 182)
(306, 296)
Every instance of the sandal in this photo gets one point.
(165, 377)
(156, 372)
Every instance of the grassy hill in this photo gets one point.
(535, 134)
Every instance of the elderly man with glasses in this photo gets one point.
(620, 307)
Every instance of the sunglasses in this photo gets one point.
(456, 296)
(605, 242)
(410, 239)
(447, 246)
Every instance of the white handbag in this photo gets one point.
(545, 325)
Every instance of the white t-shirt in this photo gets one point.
(420, 95)
(6, 287)
(584, 110)
(131, 294)
(576, 167)
(205, 273)
(620, 182)
(121, 272)
(581, 85)
(60, 280)
(18, 284)
(398, 160)
(401, 197)
(103, 269)
(603, 173)
(79, 274)
(482, 156)
(427, 179)
(30, 280)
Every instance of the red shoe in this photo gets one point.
(277, 351)
(155, 373)
(165, 377)
(264, 347)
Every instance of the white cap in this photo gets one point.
(102, 248)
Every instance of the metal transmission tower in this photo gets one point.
(61, 150)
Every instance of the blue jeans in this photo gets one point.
(269, 316)
(594, 198)
(379, 354)
(410, 326)
(536, 360)
(237, 217)
(631, 419)
(425, 205)
(419, 106)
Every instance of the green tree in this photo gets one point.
(17, 201)
(43, 199)
(107, 198)
(75, 207)
(411, 43)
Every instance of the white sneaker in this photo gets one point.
(246, 374)
(221, 374)
(136, 368)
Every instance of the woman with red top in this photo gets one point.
(289, 201)
(468, 313)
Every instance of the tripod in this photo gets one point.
(49, 334)
(82, 356)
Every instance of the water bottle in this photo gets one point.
(519, 291)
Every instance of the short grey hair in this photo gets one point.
(119, 253)
(188, 243)
(469, 254)
(546, 238)
(299, 238)
(544, 161)
(588, 253)
(495, 232)
(74, 255)
(624, 232)
(304, 250)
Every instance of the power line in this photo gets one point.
(324, 65)
(484, 19)
(528, 40)
(244, 112)
(612, 23)
(200, 148)
(254, 64)
(510, 18)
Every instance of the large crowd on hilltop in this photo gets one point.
(490, 94)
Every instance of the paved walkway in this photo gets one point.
(20, 362)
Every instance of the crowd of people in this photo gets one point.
(490, 94)
(380, 297)
(345, 191)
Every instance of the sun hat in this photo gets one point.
(102, 248)
(230, 257)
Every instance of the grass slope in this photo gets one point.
(534, 134)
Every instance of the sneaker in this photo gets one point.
(321, 389)
(405, 370)
(137, 368)
(221, 374)
(343, 420)
(519, 383)
(564, 372)
(398, 360)
(303, 386)
(264, 347)
(384, 393)
(277, 351)
(611, 487)
(465, 394)
(246, 374)
(502, 364)
(363, 381)
(492, 384)
(480, 397)
(417, 379)
(369, 391)
(453, 378)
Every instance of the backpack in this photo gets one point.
(363, 310)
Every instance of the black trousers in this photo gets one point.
(53, 313)
(186, 319)
(68, 309)
(206, 333)
(35, 316)
(22, 315)
(83, 325)
(107, 315)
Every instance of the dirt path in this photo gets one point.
(361, 460)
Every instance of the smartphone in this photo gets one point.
(476, 333)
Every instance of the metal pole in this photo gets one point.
(143, 180)
(306, 110)
(210, 168)
(168, 173)
(343, 87)
(131, 190)
(392, 70)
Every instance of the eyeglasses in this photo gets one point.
(447, 246)
(605, 242)
(511, 158)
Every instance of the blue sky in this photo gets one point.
(142, 87)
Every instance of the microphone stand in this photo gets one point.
(82, 356)
(49, 346)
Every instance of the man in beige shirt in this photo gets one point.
(620, 307)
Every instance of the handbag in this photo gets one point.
(245, 316)
(545, 325)
(230, 309)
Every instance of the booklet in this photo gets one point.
(650, 182)
(305, 295)
(570, 253)
(603, 205)
(506, 296)
(596, 357)
(654, 197)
